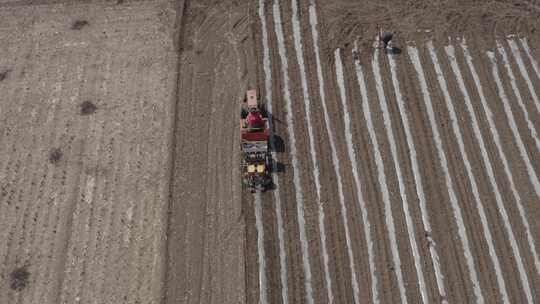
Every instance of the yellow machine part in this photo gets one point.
(251, 168)
(260, 168)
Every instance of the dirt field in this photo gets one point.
(206, 237)
(423, 191)
(86, 129)
(409, 178)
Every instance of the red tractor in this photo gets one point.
(256, 157)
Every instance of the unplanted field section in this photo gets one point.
(85, 120)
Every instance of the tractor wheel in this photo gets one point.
(243, 113)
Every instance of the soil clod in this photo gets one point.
(19, 278)
(79, 24)
(4, 74)
(55, 155)
(87, 108)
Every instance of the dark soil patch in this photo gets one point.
(19, 278)
(4, 74)
(55, 155)
(87, 108)
(79, 24)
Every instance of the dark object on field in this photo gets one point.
(4, 74)
(55, 155)
(88, 108)
(386, 37)
(280, 167)
(355, 56)
(79, 24)
(19, 278)
(119, 1)
(278, 143)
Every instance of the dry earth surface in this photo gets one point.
(402, 198)
(120, 152)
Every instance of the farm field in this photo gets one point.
(409, 177)
(86, 116)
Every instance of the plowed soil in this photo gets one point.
(119, 162)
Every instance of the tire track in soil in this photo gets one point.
(154, 215)
(195, 271)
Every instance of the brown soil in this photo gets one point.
(140, 200)
(481, 19)
(206, 234)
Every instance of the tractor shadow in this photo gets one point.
(393, 51)
(278, 145)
